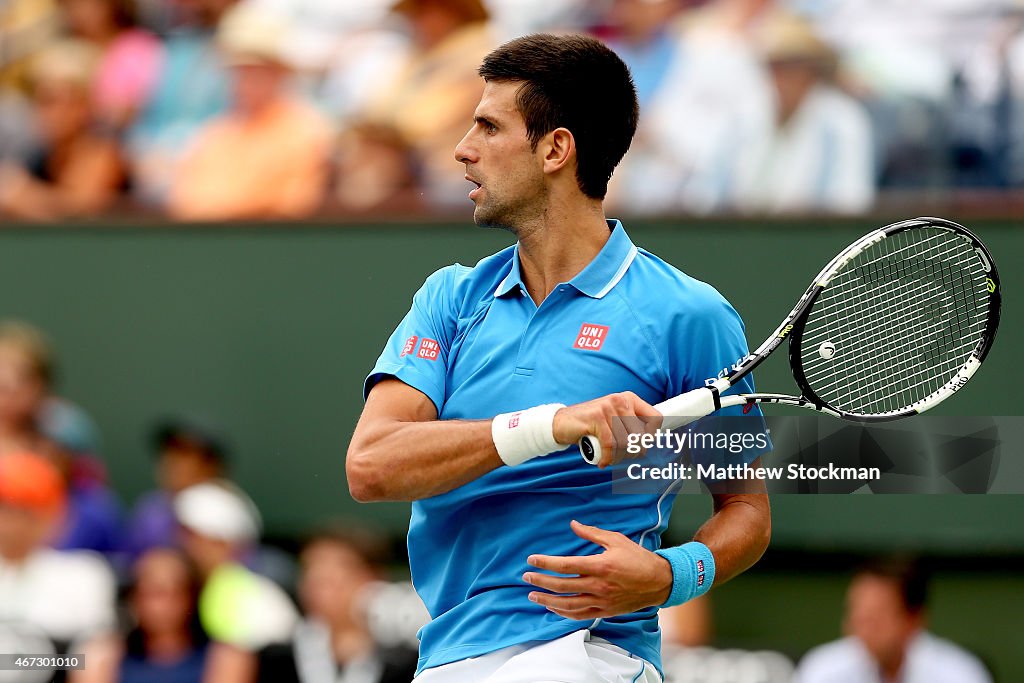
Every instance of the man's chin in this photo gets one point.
(487, 219)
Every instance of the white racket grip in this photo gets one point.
(678, 411)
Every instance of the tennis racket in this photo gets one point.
(895, 324)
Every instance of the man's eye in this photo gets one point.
(490, 128)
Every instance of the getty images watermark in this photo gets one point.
(734, 444)
(815, 454)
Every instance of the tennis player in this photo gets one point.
(531, 568)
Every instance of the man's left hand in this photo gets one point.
(623, 579)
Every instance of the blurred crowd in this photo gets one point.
(182, 588)
(213, 110)
(179, 588)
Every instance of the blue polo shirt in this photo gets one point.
(475, 343)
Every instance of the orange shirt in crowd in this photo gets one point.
(273, 165)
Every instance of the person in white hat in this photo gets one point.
(236, 605)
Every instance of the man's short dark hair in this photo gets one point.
(573, 82)
(909, 575)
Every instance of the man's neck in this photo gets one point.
(558, 246)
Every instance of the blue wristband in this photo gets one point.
(693, 571)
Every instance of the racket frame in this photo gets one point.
(693, 405)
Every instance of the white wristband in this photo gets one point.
(525, 434)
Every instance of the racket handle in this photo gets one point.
(590, 449)
(679, 411)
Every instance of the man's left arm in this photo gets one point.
(738, 532)
(627, 577)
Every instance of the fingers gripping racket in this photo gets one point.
(895, 324)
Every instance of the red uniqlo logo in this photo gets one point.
(591, 337)
(513, 421)
(429, 349)
(410, 344)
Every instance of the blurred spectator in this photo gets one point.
(334, 642)
(688, 624)
(819, 156)
(886, 639)
(645, 41)
(1007, 95)
(268, 156)
(376, 169)
(192, 88)
(25, 27)
(320, 29)
(66, 595)
(166, 642)
(362, 60)
(130, 57)
(431, 101)
(17, 131)
(26, 370)
(95, 517)
(707, 102)
(239, 607)
(189, 451)
(72, 429)
(77, 171)
(32, 419)
(932, 81)
(514, 18)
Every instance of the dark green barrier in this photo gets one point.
(273, 329)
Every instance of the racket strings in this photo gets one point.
(903, 372)
(908, 322)
(905, 317)
(853, 289)
(902, 316)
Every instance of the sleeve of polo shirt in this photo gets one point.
(417, 352)
(707, 339)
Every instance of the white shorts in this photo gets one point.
(575, 658)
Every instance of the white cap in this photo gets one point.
(218, 510)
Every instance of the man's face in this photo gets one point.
(501, 162)
(876, 615)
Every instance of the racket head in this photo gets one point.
(897, 322)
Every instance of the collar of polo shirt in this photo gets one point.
(600, 275)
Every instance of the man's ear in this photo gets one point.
(559, 150)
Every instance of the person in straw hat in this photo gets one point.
(819, 155)
(267, 157)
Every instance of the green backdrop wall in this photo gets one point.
(272, 329)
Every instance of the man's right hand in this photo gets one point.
(610, 419)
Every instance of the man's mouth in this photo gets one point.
(475, 191)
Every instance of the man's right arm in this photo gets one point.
(400, 451)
